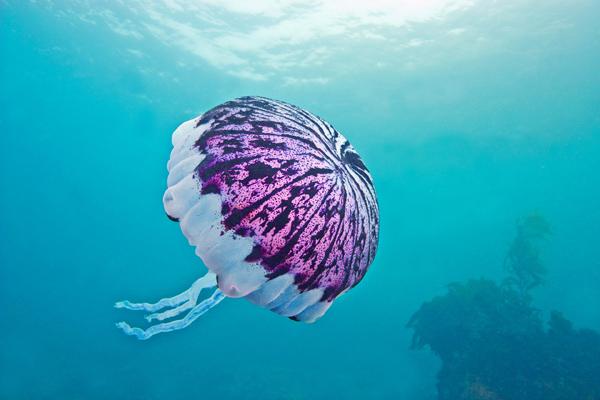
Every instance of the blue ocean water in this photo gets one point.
(469, 115)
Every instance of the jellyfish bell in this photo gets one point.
(279, 206)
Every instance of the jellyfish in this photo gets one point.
(279, 206)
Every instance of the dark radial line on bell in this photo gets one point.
(218, 132)
(292, 117)
(360, 254)
(291, 242)
(321, 267)
(359, 221)
(210, 170)
(334, 290)
(367, 257)
(330, 128)
(344, 146)
(322, 137)
(294, 122)
(301, 139)
(279, 135)
(269, 113)
(358, 187)
(327, 148)
(350, 232)
(241, 214)
(308, 201)
(364, 176)
(353, 256)
(297, 226)
(209, 134)
(362, 182)
(356, 190)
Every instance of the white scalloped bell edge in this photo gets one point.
(224, 252)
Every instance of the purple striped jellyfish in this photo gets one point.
(279, 206)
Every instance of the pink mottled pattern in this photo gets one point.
(296, 186)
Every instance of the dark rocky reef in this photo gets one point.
(494, 343)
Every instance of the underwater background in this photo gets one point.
(469, 114)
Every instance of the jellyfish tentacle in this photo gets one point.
(152, 307)
(194, 314)
(180, 303)
(207, 281)
(170, 313)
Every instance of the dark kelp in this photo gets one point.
(493, 342)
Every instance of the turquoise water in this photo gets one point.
(469, 115)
